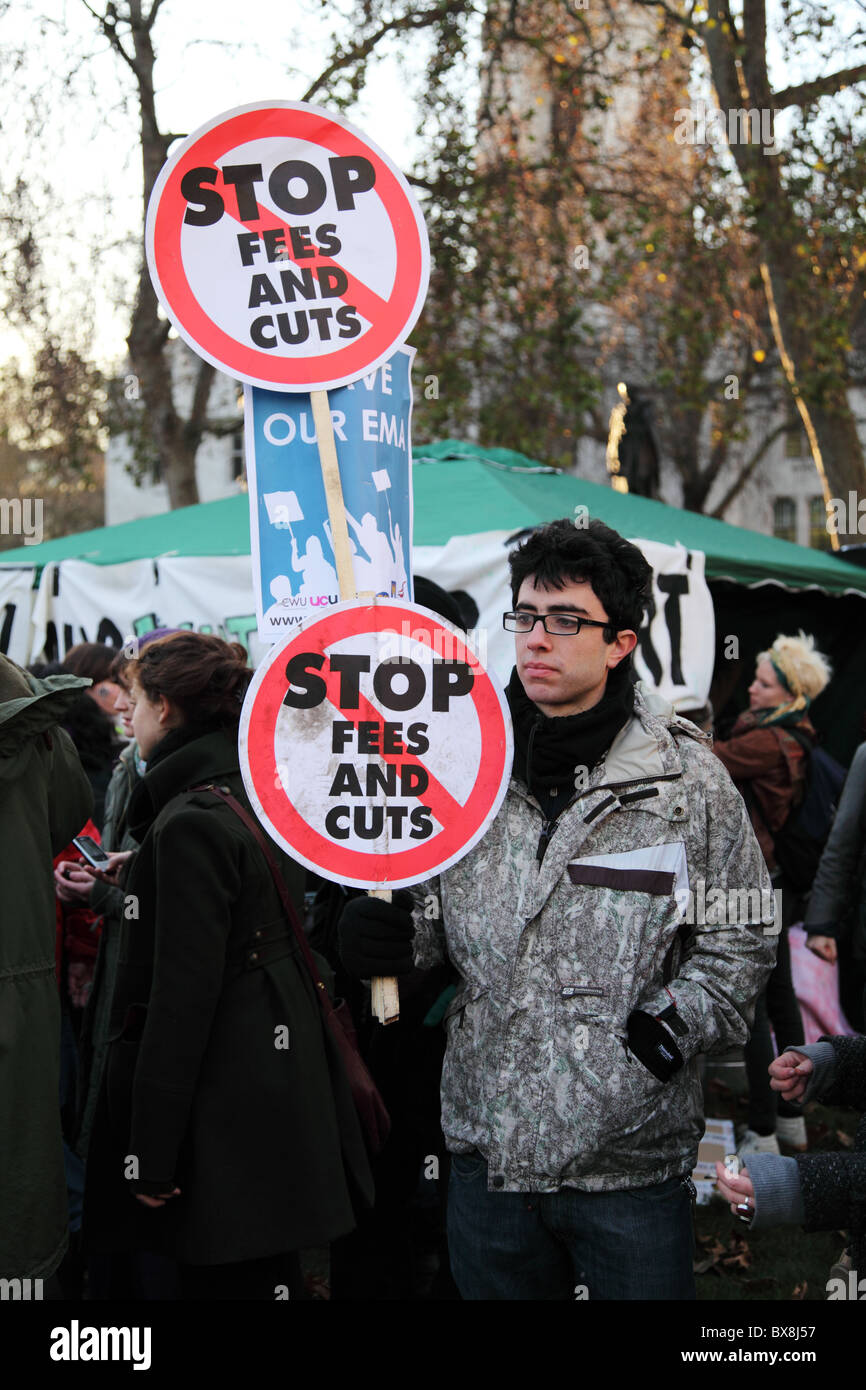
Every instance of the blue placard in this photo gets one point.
(294, 568)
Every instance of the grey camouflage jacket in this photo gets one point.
(555, 955)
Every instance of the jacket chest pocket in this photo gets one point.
(654, 872)
(623, 916)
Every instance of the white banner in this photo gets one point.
(79, 602)
(107, 603)
(677, 648)
(16, 602)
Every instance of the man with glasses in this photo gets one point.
(571, 1098)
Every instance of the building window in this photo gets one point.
(237, 456)
(819, 537)
(796, 446)
(785, 519)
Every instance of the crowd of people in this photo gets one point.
(176, 1119)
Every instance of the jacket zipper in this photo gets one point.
(544, 839)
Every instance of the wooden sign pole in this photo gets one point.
(385, 995)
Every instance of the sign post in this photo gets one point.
(385, 994)
(333, 493)
(289, 251)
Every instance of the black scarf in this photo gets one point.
(548, 750)
(179, 737)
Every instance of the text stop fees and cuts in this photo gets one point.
(300, 303)
(398, 685)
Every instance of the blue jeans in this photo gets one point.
(561, 1245)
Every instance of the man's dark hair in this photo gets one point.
(562, 553)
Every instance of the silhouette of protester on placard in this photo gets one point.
(401, 579)
(373, 556)
(319, 576)
(281, 592)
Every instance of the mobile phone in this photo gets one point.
(93, 853)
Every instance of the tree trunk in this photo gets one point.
(805, 309)
(798, 305)
(175, 439)
(680, 435)
(842, 452)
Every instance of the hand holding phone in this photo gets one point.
(92, 852)
(73, 881)
(109, 868)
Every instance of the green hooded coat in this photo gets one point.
(45, 799)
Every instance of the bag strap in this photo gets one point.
(803, 779)
(279, 883)
(800, 736)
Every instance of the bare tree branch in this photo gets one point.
(684, 21)
(109, 29)
(748, 468)
(806, 92)
(402, 23)
(204, 376)
(155, 8)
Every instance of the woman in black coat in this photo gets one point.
(225, 1133)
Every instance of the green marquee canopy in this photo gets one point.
(462, 489)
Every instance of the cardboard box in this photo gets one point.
(718, 1141)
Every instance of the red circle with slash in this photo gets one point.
(386, 686)
(286, 248)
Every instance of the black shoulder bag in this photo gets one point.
(374, 1118)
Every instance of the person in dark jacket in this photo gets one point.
(94, 661)
(105, 898)
(119, 1274)
(821, 1192)
(45, 799)
(768, 765)
(92, 731)
(835, 920)
(225, 1132)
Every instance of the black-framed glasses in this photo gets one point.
(556, 624)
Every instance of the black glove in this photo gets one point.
(653, 1045)
(376, 936)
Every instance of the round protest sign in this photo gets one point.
(374, 746)
(286, 248)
